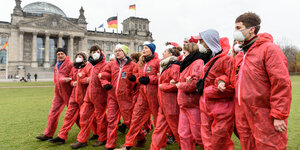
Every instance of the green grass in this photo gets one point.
(20, 84)
(24, 113)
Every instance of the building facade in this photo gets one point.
(36, 30)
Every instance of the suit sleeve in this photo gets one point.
(196, 74)
(154, 78)
(85, 74)
(106, 75)
(212, 91)
(174, 74)
(276, 67)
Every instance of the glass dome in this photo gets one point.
(43, 8)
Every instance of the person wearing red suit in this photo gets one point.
(94, 105)
(263, 88)
(168, 114)
(62, 92)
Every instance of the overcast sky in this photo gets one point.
(172, 20)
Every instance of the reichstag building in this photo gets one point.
(37, 29)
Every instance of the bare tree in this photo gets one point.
(290, 51)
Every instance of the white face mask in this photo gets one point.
(202, 49)
(78, 60)
(237, 48)
(239, 36)
(96, 56)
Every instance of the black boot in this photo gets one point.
(94, 137)
(141, 143)
(122, 128)
(77, 145)
(57, 141)
(99, 143)
(43, 137)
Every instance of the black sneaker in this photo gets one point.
(77, 145)
(94, 137)
(43, 137)
(57, 141)
(170, 140)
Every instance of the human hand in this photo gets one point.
(280, 125)
(221, 86)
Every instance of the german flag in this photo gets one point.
(5, 45)
(112, 22)
(132, 7)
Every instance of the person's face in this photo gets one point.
(61, 56)
(203, 43)
(185, 53)
(147, 51)
(79, 56)
(166, 54)
(93, 52)
(247, 32)
(119, 53)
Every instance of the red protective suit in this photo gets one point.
(168, 114)
(147, 102)
(94, 105)
(76, 99)
(62, 93)
(217, 108)
(263, 92)
(148, 123)
(188, 101)
(120, 101)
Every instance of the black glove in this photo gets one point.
(107, 87)
(144, 80)
(132, 78)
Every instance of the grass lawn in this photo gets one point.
(24, 113)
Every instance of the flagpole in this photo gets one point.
(117, 28)
(135, 10)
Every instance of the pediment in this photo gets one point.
(52, 22)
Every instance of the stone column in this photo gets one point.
(137, 47)
(21, 45)
(80, 44)
(71, 47)
(34, 51)
(47, 49)
(104, 46)
(60, 35)
(84, 42)
(131, 46)
(113, 46)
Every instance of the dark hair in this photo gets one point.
(250, 19)
(95, 48)
(175, 51)
(135, 56)
(61, 50)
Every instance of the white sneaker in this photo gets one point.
(121, 148)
